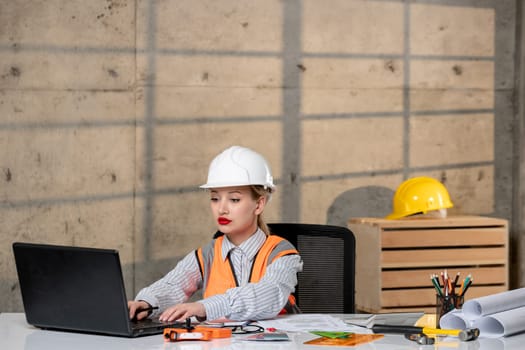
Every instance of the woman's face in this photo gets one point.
(235, 211)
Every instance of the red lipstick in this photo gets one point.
(223, 221)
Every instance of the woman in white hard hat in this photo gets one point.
(245, 273)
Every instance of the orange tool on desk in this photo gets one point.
(190, 332)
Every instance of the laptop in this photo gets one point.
(77, 289)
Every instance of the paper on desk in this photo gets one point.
(491, 304)
(363, 320)
(308, 322)
(390, 318)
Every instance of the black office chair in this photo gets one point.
(326, 284)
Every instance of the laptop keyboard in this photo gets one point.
(152, 323)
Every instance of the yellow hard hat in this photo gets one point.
(419, 195)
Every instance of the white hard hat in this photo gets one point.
(239, 166)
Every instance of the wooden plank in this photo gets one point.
(421, 278)
(427, 296)
(472, 236)
(451, 221)
(367, 290)
(443, 257)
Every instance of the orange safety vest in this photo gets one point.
(218, 275)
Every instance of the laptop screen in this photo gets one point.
(72, 288)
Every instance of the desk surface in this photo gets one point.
(16, 334)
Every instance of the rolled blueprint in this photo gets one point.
(502, 324)
(491, 304)
(497, 315)
(454, 319)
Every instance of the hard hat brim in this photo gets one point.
(221, 185)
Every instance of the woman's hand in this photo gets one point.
(135, 308)
(183, 311)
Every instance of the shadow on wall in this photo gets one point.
(369, 201)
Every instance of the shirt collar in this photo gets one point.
(250, 247)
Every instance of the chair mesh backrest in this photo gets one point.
(326, 284)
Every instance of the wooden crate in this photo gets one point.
(395, 258)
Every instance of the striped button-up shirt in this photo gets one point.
(248, 301)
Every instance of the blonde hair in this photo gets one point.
(259, 191)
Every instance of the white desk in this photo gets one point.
(16, 334)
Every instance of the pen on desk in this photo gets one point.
(435, 282)
(469, 277)
(466, 287)
(466, 281)
(148, 309)
(456, 279)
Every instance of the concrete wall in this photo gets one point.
(111, 110)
